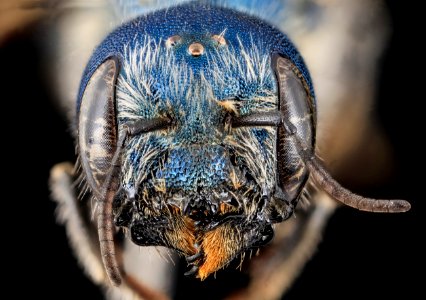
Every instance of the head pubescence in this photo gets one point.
(199, 135)
(198, 186)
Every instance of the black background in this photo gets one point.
(362, 254)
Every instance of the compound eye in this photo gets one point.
(97, 125)
(297, 108)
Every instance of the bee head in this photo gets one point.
(205, 138)
(168, 116)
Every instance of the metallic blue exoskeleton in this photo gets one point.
(196, 132)
(198, 176)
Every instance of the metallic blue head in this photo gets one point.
(198, 183)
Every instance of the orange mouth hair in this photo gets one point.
(219, 247)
